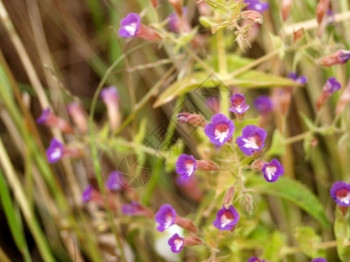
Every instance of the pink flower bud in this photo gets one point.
(79, 116)
(321, 9)
(111, 98)
(340, 57)
(154, 3)
(186, 224)
(192, 119)
(193, 240)
(298, 34)
(207, 165)
(148, 34)
(50, 119)
(286, 7)
(343, 100)
(253, 15)
(177, 5)
(258, 164)
(228, 198)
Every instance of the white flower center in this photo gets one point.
(56, 154)
(221, 136)
(224, 220)
(168, 221)
(178, 244)
(258, 6)
(345, 199)
(131, 28)
(250, 142)
(189, 168)
(270, 171)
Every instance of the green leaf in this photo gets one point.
(277, 145)
(307, 145)
(249, 79)
(294, 192)
(342, 234)
(309, 124)
(307, 238)
(275, 243)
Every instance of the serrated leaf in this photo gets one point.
(277, 145)
(249, 79)
(342, 234)
(307, 238)
(276, 242)
(294, 192)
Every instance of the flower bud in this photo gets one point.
(207, 165)
(321, 9)
(177, 5)
(111, 98)
(193, 240)
(343, 100)
(298, 34)
(154, 3)
(186, 224)
(228, 198)
(253, 15)
(79, 117)
(192, 119)
(286, 7)
(340, 57)
(50, 119)
(258, 164)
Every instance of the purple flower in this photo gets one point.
(186, 165)
(176, 243)
(226, 219)
(44, 117)
(344, 56)
(129, 25)
(87, 193)
(55, 151)
(219, 130)
(109, 94)
(263, 104)
(214, 104)
(272, 170)
(331, 85)
(255, 259)
(115, 181)
(174, 21)
(340, 192)
(133, 209)
(165, 217)
(319, 259)
(256, 5)
(252, 140)
(299, 79)
(238, 104)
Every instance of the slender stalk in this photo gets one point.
(224, 91)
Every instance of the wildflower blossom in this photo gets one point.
(299, 79)
(272, 170)
(136, 209)
(214, 104)
(110, 97)
(176, 243)
(219, 130)
(115, 181)
(255, 259)
(263, 104)
(165, 217)
(238, 104)
(252, 140)
(319, 259)
(226, 219)
(178, 23)
(78, 115)
(186, 165)
(340, 192)
(339, 57)
(257, 5)
(329, 88)
(55, 151)
(49, 119)
(192, 119)
(87, 193)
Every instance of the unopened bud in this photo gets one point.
(177, 5)
(286, 7)
(228, 198)
(186, 224)
(207, 165)
(343, 100)
(298, 34)
(253, 15)
(193, 240)
(321, 9)
(111, 99)
(247, 203)
(340, 57)
(154, 3)
(258, 164)
(50, 119)
(78, 115)
(148, 33)
(192, 119)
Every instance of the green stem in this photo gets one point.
(224, 91)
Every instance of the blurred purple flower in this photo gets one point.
(174, 20)
(255, 259)
(256, 5)
(263, 104)
(344, 56)
(176, 243)
(273, 170)
(331, 85)
(165, 217)
(87, 193)
(115, 181)
(340, 192)
(214, 104)
(299, 79)
(55, 151)
(109, 94)
(226, 219)
(252, 139)
(219, 130)
(238, 104)
(44, 117)
(319, 259)
(185, 166)
(129, 25)
(133, 209)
